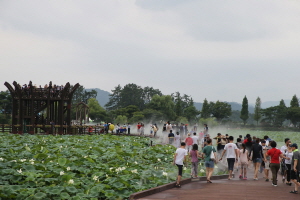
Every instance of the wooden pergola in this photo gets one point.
(41, 106)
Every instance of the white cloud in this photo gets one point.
(213, 49)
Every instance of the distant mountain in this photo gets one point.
(102, 96)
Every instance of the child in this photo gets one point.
(194, 154)
(244, 158)
(266, 163)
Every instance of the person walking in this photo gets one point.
(266, 162)
(209, 163)
(274, 163)
(283, 150)
(195, 138)
(177, 140)
(194, 154)
(189, 142)
(171, 137)
(232, 155)
(179, 158)
(257, 156)
(295, 171)
(244, 159)
(128, 129)
(289, 154)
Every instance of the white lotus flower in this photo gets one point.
(202, 170)
(49, 156)
(61, 147)
(184, 168)
(107, 176)
(166, 158)
(62, 173)
(13, 161)
(71, 181)
(1, 159)
(135, 162)
(95, 178)
(19, 171)
(110, 169)
(158, 159)
(68, 168)
(31, 160)
(134, 171)
(165, 174)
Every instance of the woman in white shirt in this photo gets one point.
(289, 154)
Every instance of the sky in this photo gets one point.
(218, 50)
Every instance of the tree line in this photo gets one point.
(133, 103)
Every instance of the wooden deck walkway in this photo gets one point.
(234, 189)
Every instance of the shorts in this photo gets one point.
(244, 166)
(295, 175)
(210, 164)
(180, 169)
(257, 160)
(267, 164)
(230, 162)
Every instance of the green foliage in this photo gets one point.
(82, 167)
(211, 122)
(5, 102)
(245, 112)
(163, 104)
(121, 119)
(96, 112)
(295, 101)
(275, 115)
(220, 110)
(293, 114)
(257, 110)
(137, 117)
(205, 112)
(131, 94)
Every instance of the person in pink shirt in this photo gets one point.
(244, 158)
(189, 142)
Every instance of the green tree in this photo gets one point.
(163, 104)
(205, 112)
(220, 110)
(275, 115)
(257, 110)
(293, 111)
(120, 119)
(137, 117)
(245, 112)
(96, 112)
(5, 102)
(294, 101)
(153, 115)
(115, 99)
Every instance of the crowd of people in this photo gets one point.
(261, 152)
(29, 89)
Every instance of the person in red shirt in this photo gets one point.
(139, 128)
(246, 139)
(189, 142)
(274, 163)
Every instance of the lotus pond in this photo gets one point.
(82, 167)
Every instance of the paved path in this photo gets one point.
(234, 189)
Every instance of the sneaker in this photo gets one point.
(245, 178)
(256, 179)
(267, 179)
(274, 185)
(240, 177)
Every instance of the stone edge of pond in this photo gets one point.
(168, 186)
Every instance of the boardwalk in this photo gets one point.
(234, 189)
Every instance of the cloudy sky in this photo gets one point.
(219, 50)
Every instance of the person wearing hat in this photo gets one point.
(295, 165)
(189, 142)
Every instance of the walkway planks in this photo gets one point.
(234, 189)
